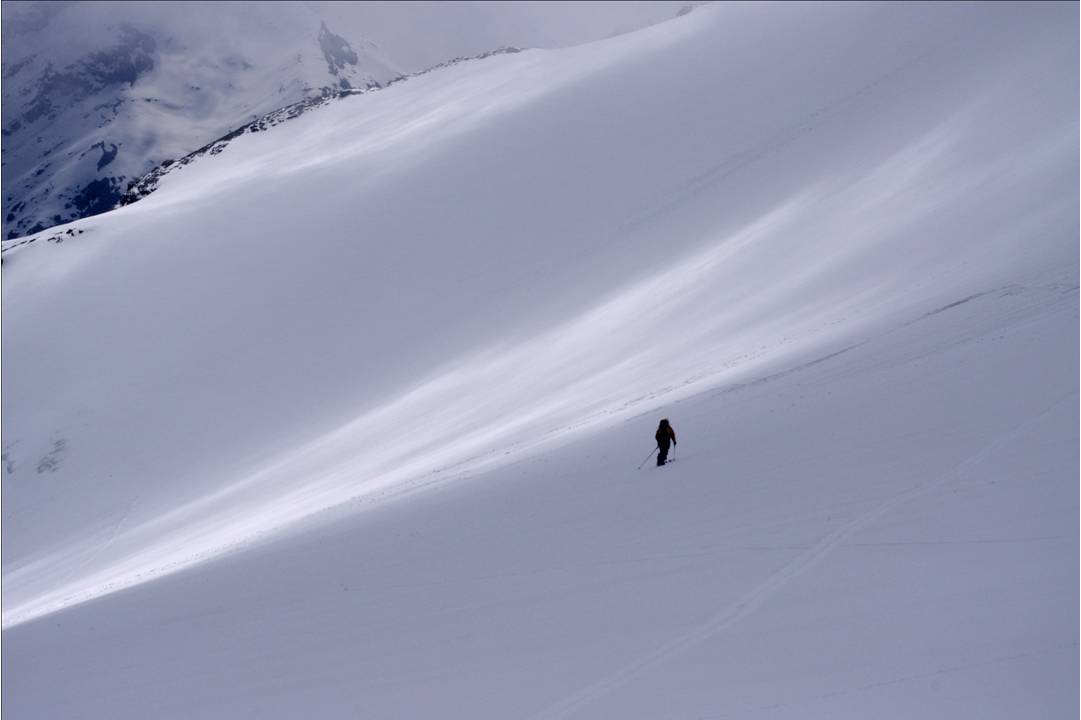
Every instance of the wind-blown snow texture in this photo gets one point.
(344, 419)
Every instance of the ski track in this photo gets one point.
(477, 463)
(900, 680)
(746, 605)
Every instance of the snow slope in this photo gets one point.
(345, 418)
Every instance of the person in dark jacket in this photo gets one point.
(666, 436)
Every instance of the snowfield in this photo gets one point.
(344, 420)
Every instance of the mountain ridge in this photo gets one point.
(97, 95)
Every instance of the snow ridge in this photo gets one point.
(141, 187)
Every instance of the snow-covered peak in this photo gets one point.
(96, 97)
(97, 94)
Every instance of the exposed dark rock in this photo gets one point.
(336, 50)
(498, 51)
(97, 196)
(43, 106)
(57, 237)
(132, 57)
(107, 156)
(51, 461)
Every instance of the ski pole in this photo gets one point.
(649, 456)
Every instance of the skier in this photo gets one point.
(665, 435)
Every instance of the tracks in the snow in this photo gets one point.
(732, 614)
